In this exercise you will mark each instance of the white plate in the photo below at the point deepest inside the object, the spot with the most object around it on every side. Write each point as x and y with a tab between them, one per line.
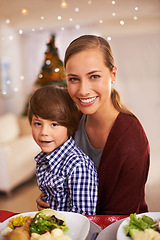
110	232
121	234
78	224
94	229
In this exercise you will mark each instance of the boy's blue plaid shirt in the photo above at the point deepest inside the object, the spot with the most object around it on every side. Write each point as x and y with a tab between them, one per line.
69	179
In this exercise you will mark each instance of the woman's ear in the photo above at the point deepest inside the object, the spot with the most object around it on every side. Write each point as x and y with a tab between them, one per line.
113	74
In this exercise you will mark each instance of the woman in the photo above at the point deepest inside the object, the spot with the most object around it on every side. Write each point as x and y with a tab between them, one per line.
109	133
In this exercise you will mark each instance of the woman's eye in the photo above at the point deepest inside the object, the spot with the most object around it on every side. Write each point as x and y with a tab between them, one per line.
73	79
95	76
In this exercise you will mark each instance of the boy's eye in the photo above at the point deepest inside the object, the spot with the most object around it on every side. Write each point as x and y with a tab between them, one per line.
54	124
37	123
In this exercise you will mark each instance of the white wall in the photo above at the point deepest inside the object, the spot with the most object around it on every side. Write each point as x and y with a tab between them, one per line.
10	49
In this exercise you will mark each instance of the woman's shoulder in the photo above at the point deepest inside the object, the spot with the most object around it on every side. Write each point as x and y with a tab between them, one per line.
130	126
127	121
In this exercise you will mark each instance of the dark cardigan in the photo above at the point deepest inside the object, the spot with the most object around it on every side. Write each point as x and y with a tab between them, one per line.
123	168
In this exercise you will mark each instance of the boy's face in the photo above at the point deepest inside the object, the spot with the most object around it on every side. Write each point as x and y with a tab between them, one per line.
48	134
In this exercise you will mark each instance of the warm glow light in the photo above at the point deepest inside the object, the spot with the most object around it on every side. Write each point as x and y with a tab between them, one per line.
24	11
63	4
7	21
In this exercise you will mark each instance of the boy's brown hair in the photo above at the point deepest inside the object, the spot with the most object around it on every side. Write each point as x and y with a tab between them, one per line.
55	104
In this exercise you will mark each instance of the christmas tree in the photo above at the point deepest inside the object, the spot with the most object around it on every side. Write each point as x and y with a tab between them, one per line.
52	71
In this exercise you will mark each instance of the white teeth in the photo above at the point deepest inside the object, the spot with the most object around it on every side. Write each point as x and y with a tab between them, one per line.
88	100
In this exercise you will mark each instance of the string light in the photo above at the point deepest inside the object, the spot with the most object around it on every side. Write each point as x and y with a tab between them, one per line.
15	89
77	26
20	32
22	78
122	22
7	21
56	69
76	9
10	38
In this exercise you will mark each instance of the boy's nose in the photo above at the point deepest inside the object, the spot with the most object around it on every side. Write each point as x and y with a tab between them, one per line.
44	130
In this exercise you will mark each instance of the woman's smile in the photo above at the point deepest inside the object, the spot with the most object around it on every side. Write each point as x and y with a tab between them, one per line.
87	101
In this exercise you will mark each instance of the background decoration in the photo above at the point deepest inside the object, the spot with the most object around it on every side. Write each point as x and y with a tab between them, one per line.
52	71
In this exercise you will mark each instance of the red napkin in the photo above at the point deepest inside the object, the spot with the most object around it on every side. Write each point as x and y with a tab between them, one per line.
105	220
5	214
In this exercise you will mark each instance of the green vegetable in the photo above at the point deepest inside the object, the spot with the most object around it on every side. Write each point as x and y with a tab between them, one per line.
47	220
138	224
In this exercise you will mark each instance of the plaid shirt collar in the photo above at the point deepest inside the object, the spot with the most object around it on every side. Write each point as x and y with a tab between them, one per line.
57	155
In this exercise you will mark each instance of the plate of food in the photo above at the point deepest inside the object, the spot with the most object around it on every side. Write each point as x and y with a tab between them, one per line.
46	224
140	226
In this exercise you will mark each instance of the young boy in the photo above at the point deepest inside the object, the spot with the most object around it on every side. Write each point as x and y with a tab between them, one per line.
64	173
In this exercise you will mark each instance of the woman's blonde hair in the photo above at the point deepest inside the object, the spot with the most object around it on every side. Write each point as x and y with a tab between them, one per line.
86	42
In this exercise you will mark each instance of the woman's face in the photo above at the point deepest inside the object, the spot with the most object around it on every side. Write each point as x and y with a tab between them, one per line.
89	81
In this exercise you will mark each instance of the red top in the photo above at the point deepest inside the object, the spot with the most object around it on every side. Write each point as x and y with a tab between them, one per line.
123	169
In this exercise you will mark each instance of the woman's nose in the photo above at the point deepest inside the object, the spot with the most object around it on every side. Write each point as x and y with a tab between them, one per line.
84	88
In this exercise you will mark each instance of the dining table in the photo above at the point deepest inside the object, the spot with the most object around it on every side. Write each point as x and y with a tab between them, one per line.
99	222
